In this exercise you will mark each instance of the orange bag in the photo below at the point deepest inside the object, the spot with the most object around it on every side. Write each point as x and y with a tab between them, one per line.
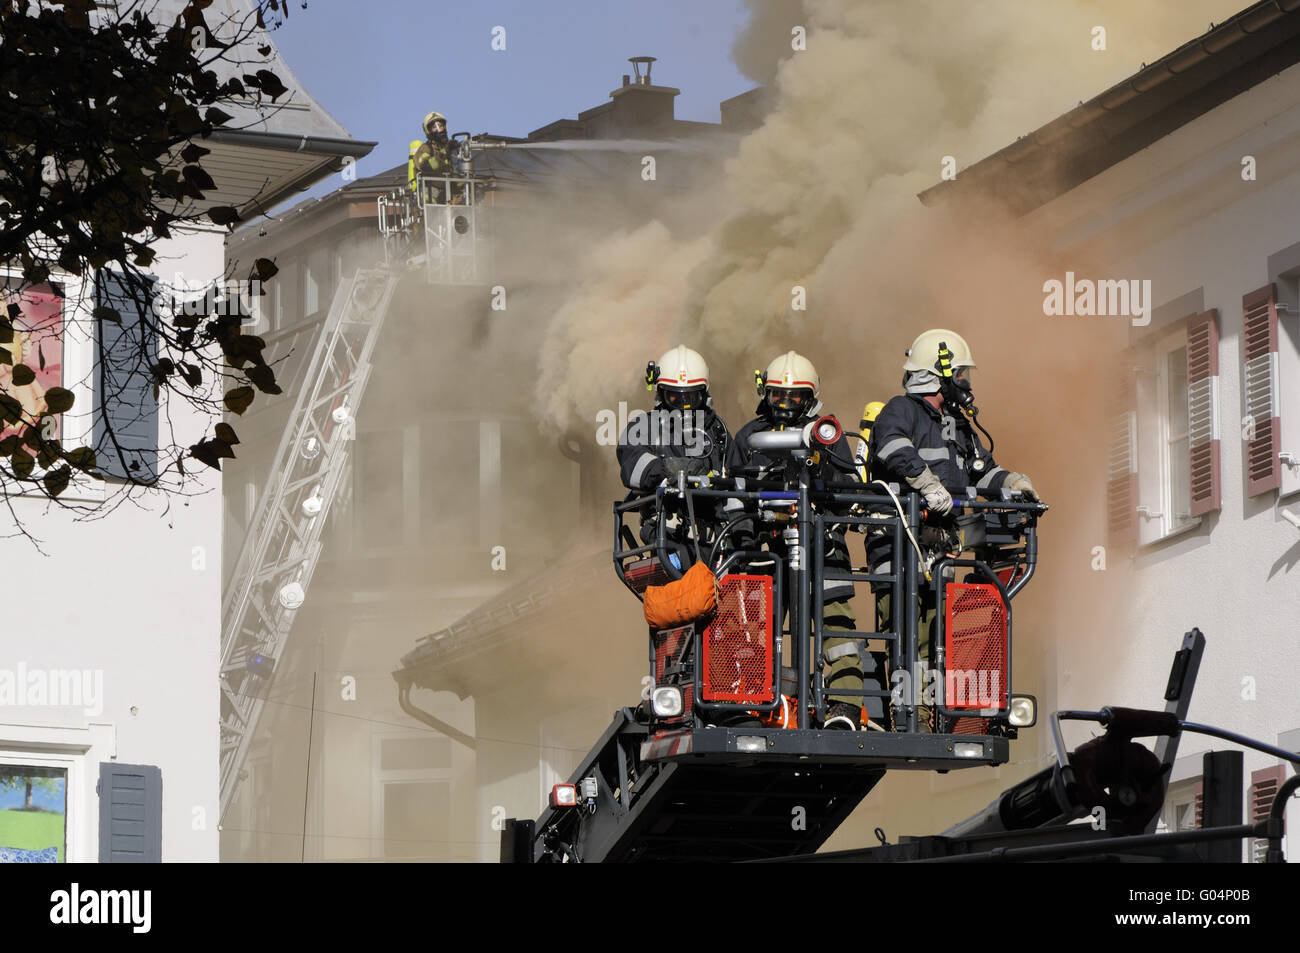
683	600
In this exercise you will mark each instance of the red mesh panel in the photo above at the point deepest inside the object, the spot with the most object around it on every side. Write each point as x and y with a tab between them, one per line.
976	668
737	645
970	726
644	573
670	644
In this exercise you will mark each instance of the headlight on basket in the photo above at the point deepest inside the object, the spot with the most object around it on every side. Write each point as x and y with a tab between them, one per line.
1023	712
666	701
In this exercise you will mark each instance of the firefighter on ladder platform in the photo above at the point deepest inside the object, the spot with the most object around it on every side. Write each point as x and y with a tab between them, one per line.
682	434
789	399
431	157
924	439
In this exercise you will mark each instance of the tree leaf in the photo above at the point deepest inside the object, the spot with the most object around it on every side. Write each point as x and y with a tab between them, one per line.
264	378
56	481
193	152
59	400
103	313
237	400
83	458
197	177
9	444
226	432
205	451
223	215
23	375
11	410
193	376
264	269
270	84
22	463
217	117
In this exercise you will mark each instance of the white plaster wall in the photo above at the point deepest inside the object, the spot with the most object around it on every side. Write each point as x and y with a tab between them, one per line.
136	595
1180	214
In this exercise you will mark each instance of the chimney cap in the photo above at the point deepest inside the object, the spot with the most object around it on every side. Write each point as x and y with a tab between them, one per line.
637	62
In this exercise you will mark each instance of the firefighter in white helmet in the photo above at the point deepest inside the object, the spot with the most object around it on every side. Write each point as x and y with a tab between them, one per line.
681	433
924	439
789	391
433	156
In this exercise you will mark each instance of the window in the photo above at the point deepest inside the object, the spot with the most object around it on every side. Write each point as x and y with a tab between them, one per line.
1163	451
37	315
52	337
413	789
450	491
1182	808
33	812
378	485
1287	319
1164	462
316	282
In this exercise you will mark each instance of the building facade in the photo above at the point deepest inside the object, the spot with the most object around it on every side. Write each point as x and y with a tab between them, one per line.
107	698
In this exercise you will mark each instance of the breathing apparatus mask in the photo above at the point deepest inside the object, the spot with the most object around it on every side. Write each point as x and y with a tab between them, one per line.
955	383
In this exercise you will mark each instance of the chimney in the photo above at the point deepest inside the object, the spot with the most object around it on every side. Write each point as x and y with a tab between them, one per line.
639	107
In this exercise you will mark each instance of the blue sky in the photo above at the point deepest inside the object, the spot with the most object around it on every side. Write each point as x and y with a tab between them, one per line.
380	66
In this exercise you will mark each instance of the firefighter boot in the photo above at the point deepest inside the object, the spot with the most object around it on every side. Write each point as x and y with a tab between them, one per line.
844	667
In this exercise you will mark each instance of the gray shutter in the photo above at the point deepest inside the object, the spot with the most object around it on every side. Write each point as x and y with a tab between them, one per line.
130	813
124	385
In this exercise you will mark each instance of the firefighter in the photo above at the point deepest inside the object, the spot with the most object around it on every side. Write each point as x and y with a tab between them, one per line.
923	439
682	434
789	390
431	157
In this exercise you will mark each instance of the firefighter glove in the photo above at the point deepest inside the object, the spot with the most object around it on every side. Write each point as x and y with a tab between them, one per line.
1018	482
937	499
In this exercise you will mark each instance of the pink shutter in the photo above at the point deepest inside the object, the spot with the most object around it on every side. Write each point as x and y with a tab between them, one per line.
1259	354
1199	800
1121	454
1203	411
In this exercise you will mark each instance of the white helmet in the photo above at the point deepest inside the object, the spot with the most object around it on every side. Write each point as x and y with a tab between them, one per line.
923	355
790	387
430	119
682	377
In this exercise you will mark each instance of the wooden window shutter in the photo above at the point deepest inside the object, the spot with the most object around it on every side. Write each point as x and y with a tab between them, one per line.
1199	801
124	389
1203	411
130	813
1263	788
1121	453
1259	354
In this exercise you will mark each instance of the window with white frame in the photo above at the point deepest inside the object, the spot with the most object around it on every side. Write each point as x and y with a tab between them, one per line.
1181	808
1164	469
412	815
